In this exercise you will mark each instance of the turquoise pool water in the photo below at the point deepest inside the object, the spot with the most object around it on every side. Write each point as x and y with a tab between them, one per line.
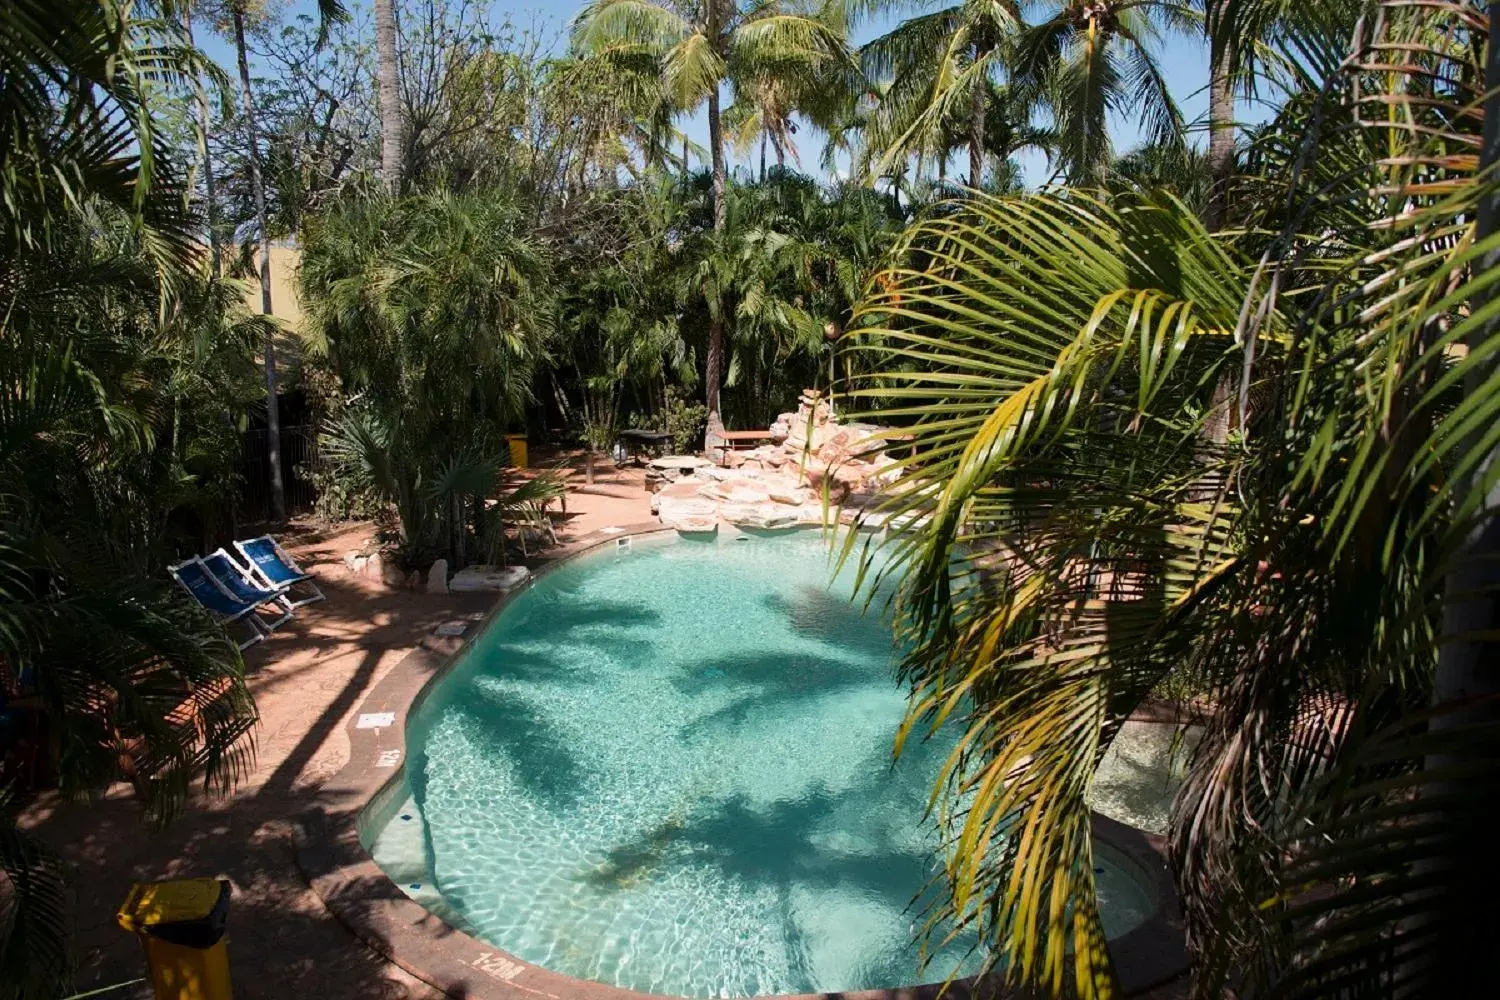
668	768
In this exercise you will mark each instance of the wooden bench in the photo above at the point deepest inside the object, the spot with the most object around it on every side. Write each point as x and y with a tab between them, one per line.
732	439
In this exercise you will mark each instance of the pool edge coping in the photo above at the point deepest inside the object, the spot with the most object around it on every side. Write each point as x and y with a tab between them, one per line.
359	894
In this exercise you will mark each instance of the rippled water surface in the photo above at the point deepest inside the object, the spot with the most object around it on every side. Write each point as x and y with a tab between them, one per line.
669	769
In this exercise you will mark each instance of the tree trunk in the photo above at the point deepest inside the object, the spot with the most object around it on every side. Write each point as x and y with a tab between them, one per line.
1220	131
1220	165
460	553
215	256
976	130
714	363
763	156
258	188
716	150
391	124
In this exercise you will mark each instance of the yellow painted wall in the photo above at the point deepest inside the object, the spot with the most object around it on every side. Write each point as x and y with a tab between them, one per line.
284	301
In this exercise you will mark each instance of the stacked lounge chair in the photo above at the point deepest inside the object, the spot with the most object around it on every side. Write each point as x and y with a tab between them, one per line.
275	568
236	593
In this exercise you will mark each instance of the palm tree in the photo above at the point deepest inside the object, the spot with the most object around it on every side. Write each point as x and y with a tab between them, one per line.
1238	31
75	122
118	359
210	190
391	112
263	237
1176	167
1089	59
940	68
433	310
1079	546
764	113
1222	60
329	13
699	47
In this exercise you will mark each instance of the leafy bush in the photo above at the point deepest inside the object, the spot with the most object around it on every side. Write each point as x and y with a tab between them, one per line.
340	497
342	494
679	418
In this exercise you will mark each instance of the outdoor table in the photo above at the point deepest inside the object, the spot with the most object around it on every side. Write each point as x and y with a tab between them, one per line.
654	442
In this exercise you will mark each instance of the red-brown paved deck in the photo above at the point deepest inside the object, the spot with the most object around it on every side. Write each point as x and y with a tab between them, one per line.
308	679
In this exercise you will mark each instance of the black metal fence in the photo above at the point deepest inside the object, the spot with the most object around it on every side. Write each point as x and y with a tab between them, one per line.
298	449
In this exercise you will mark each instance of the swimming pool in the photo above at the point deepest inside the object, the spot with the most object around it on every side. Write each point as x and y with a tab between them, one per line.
667	767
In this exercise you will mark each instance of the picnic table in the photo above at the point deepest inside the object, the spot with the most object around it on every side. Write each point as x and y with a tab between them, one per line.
652	442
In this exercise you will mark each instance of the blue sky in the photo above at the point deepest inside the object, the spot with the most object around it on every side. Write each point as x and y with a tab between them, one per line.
1184	63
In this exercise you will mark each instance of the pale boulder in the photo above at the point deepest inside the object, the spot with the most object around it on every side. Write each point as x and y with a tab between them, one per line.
494	578
698	526
437	577
743	491
787	492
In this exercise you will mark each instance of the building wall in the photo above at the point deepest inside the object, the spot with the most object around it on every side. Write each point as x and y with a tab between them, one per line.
284	302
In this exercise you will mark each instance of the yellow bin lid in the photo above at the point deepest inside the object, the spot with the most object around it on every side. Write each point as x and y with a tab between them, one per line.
151	904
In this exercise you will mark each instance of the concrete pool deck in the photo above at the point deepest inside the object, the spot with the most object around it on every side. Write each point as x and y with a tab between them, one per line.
309	680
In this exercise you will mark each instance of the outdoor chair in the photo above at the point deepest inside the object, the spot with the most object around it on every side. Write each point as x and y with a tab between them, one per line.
237	580
271	565
220	602
532	518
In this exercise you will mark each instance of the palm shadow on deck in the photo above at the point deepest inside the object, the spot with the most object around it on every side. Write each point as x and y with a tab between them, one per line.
308	677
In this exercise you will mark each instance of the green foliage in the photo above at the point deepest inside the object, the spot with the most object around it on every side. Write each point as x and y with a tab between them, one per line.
119	436
1154	459
432	311
786	270
678	417
1086	60
1257	465
126	373
78	120
343	493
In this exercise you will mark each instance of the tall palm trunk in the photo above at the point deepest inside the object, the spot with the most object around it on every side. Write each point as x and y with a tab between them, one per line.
391	123
1220	166
258	188
214	255
976	129
1220	130
714	363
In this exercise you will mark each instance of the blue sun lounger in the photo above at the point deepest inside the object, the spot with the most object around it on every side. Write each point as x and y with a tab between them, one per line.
221	603
271	565
237	580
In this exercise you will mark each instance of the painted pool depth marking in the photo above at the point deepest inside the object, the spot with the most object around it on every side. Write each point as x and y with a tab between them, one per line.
669	769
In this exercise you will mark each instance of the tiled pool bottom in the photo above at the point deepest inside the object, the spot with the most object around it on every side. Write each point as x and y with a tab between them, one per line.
669	771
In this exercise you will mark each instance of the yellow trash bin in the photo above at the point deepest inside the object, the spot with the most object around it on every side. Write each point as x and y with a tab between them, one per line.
181	926
517	444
